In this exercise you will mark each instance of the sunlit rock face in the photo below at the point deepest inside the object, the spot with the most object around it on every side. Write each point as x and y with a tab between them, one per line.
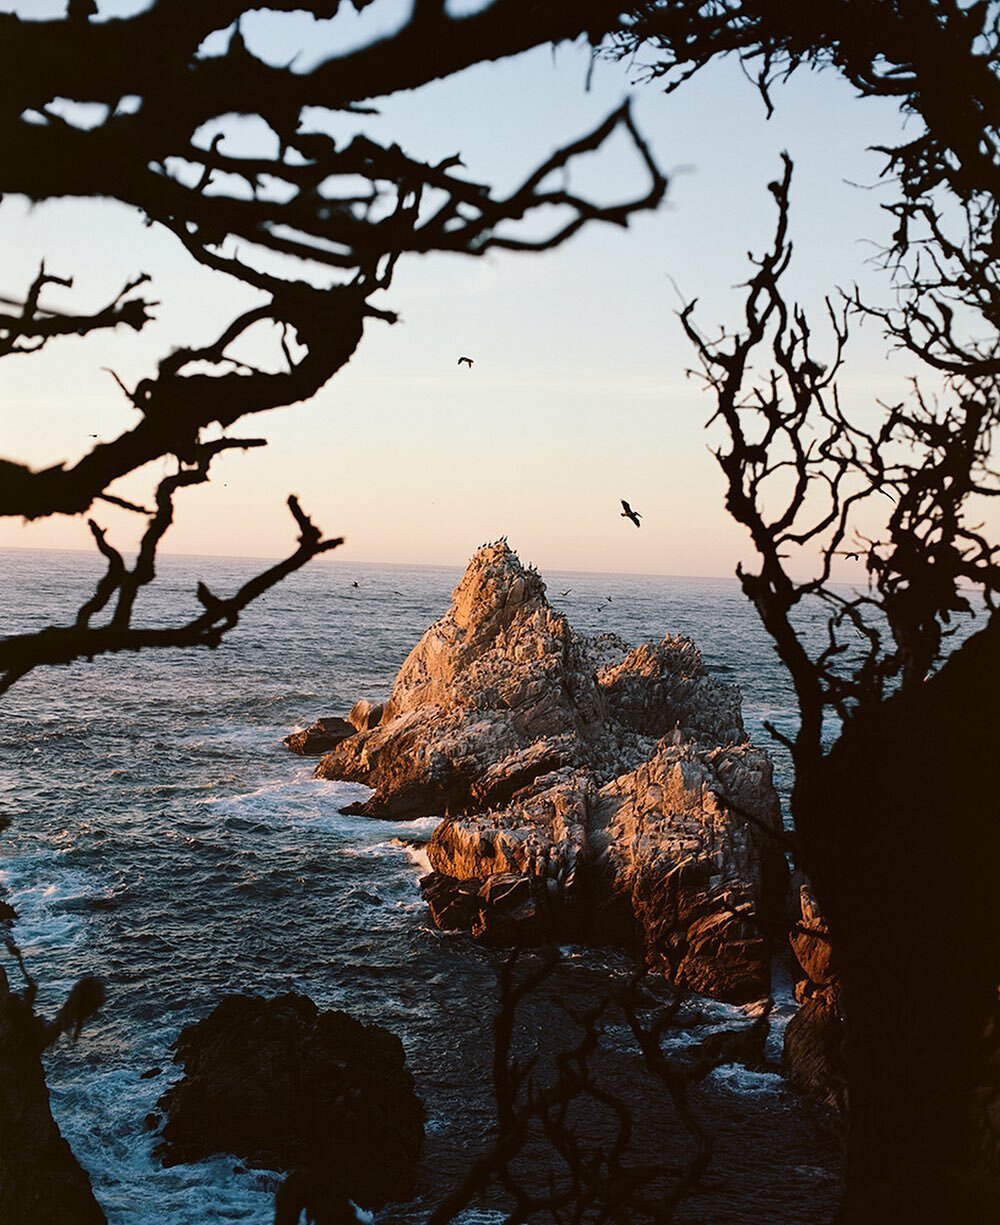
812	1053
496	693
662	688
682	859
590	791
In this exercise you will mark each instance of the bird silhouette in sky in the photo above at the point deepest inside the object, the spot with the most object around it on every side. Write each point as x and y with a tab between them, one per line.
467	360
629	513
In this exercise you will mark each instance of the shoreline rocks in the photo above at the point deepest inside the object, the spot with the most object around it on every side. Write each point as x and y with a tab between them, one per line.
589	791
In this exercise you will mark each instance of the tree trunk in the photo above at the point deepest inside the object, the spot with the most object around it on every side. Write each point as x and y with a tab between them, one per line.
901	835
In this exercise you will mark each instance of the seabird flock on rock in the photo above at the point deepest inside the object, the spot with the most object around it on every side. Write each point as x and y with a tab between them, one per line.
629	513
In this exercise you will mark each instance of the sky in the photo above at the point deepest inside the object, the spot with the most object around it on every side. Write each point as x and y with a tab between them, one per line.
579	394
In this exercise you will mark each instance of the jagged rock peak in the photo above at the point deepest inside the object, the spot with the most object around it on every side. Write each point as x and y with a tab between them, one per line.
495	586
494	644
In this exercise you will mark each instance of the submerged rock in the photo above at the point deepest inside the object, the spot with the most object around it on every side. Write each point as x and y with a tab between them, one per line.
324	735
590	791
287	1087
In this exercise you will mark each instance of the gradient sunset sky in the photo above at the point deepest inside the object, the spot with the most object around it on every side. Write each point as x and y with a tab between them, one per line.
578	396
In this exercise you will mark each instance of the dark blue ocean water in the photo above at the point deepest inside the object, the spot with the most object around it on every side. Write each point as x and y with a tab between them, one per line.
166	841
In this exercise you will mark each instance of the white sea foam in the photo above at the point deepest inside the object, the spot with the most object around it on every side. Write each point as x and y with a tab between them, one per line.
418	856
301	804
783	1009
48	899
101	1113
744	1080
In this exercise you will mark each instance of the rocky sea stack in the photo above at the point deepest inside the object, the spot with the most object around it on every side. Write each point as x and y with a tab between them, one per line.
590	792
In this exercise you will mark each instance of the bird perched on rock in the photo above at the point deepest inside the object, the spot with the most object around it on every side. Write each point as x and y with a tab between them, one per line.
467	360
629	513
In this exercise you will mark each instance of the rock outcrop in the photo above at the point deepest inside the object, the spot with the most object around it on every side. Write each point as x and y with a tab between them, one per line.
321	737
497	693
287	1087
589	791
810	941
662	689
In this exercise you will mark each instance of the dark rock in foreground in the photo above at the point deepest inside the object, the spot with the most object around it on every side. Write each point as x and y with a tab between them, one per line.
590	791
41	1182
287	1087
812	1054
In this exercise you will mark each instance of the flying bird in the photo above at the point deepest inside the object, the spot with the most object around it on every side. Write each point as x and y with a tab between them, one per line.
467	360
629	513
566	592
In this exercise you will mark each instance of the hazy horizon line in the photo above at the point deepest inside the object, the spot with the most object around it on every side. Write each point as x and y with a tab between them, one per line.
331	558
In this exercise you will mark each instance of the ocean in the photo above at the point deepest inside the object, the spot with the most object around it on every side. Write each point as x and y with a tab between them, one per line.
165	840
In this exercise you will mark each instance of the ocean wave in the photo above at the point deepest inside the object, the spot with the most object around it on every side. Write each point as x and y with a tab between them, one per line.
50	903
736	1077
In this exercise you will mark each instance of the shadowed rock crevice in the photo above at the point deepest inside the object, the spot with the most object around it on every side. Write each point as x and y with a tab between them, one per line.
590	791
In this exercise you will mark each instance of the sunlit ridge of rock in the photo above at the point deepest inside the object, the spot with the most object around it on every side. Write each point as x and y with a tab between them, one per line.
590	791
